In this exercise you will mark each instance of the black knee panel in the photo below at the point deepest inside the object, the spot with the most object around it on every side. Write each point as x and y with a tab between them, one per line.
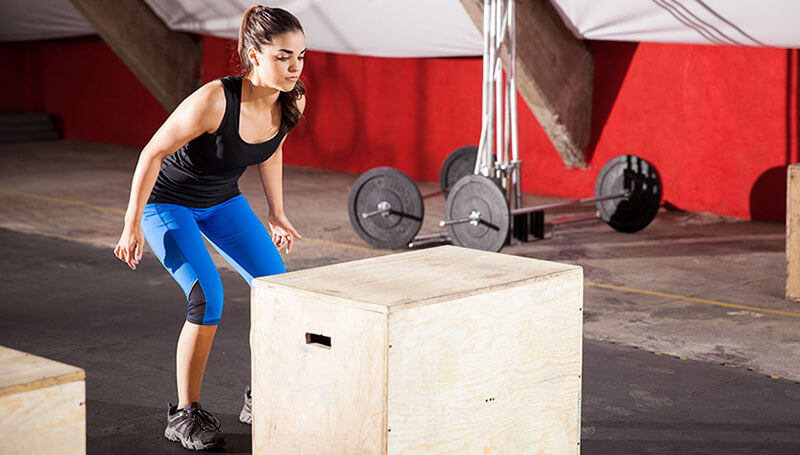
197	304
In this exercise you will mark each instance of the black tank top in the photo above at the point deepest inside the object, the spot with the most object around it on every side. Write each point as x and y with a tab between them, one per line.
205	172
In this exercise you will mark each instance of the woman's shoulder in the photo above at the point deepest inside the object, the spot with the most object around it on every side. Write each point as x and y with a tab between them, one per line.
212	94
210	91
218	87
207	105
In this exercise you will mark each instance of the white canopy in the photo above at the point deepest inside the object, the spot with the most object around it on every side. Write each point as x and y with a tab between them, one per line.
21	21
386	28
426	28
768	23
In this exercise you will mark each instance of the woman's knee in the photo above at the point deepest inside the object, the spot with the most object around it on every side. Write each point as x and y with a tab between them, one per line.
205	303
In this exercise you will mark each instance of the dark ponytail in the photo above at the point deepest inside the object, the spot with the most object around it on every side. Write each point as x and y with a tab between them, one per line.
259	25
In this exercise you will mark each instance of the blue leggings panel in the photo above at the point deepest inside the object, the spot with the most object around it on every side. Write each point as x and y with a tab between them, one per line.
175	234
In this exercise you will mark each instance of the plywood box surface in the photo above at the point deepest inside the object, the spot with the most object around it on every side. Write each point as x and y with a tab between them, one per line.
442	350
793	232
42	405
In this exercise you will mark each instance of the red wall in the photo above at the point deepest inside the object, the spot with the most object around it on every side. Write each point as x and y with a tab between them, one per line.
84	84
719	123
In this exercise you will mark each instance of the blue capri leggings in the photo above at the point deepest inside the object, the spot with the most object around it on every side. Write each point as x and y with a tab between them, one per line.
175	234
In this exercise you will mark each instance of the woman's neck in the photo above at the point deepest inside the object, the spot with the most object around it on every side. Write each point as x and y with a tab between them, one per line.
259	95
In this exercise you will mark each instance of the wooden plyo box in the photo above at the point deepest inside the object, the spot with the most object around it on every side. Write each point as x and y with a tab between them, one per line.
442	350
42	405
793	232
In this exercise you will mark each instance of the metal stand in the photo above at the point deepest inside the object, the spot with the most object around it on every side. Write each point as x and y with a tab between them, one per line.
499	104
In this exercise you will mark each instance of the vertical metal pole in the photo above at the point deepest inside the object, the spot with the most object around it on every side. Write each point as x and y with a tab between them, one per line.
490	104
498	79
506	96
512	73
508	171
507	93
507	119
483	143
485	93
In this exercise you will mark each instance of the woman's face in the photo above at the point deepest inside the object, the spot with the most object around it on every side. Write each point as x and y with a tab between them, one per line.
279	65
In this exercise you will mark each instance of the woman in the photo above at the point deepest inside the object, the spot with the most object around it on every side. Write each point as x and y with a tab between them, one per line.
185	187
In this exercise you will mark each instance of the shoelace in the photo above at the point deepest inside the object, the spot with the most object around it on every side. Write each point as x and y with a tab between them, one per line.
205	419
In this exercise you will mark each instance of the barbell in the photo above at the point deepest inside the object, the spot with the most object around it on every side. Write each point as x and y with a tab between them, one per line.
386	207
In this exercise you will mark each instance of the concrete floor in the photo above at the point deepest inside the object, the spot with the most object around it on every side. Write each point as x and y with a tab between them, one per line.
690	346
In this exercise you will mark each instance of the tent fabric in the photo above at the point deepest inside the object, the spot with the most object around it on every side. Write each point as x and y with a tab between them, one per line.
765	23
428	28
383	28
20	20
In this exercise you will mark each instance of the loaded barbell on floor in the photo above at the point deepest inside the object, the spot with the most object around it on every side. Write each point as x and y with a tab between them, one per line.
386	208
390	194
627	196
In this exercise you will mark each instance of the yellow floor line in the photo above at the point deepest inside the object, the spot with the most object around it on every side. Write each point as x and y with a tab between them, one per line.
344	245
693	299
63	201
379	252
122	212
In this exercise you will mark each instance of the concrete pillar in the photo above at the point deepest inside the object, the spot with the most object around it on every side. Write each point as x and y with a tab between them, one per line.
167	62
554	75
793	232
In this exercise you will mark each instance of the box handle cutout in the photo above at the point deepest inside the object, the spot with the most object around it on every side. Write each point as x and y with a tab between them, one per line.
318	340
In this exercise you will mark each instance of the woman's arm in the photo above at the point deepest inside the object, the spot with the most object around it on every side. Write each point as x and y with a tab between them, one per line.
271	173
200	112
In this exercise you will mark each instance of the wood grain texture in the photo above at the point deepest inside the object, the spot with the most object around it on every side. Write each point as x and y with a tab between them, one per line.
474	352
428	275
20	371
793	232
490	373
309	399
42	406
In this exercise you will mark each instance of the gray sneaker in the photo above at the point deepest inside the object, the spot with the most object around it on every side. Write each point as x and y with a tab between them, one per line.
193	427
246	416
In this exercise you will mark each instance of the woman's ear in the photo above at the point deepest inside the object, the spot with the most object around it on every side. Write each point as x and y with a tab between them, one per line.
253	56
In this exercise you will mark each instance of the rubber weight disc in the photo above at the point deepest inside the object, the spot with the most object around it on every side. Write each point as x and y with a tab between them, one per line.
459	163
483	196
628	172
395	194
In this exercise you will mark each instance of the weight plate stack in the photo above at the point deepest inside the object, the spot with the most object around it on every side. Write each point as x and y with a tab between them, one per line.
480	200
385	208
640	178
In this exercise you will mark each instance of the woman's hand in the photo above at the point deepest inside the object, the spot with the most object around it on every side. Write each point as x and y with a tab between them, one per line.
283	233
130	245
